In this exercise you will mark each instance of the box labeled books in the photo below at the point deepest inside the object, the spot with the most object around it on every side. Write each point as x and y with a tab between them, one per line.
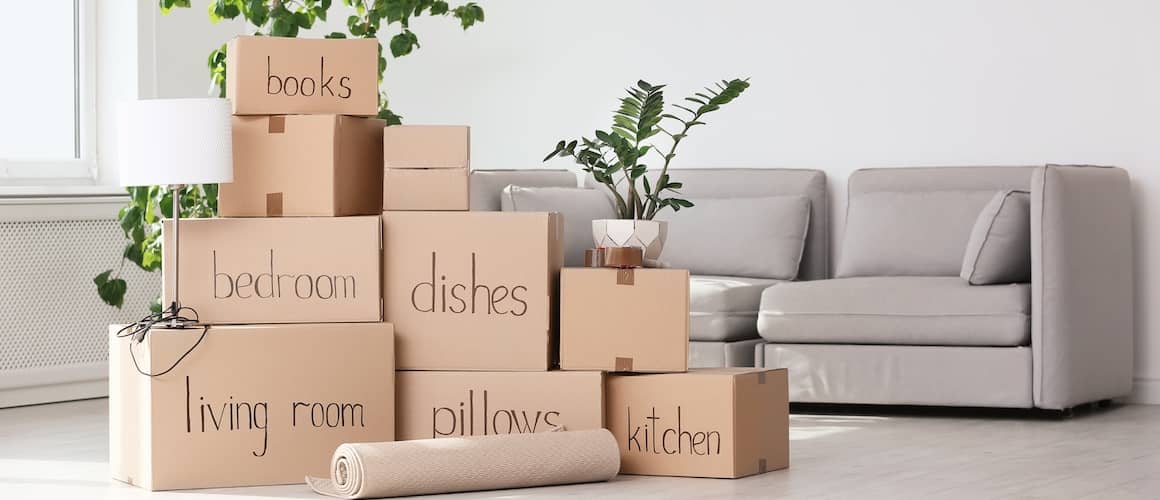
267	75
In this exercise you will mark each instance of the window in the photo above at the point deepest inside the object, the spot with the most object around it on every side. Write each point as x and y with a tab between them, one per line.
47	106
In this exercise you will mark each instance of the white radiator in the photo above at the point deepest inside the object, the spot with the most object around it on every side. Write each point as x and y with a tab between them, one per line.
53	327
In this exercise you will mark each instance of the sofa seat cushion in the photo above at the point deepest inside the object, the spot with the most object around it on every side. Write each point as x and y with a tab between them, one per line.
724	308
942	311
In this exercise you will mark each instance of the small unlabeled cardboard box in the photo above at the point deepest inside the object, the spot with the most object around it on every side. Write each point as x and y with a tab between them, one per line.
625	320
426	167
452	404
472	290
249	405
715	422
277	270
268	75
304	165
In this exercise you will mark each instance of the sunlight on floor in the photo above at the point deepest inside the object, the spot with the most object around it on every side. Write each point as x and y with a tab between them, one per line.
802	427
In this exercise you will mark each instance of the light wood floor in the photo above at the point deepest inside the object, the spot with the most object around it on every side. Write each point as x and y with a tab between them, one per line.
61	450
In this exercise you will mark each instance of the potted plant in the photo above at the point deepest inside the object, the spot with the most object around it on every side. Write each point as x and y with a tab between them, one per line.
616	158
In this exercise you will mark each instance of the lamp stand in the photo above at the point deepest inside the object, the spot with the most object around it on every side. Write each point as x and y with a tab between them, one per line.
175	306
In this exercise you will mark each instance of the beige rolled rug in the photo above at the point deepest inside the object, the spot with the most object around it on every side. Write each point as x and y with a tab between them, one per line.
447	465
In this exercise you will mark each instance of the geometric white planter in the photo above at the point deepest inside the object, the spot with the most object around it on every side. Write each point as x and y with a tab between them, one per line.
647	235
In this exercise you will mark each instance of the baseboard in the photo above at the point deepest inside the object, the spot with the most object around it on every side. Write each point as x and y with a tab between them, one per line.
1145	391
23	396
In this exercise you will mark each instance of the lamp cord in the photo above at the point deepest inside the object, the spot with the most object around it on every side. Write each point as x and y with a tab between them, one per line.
137	332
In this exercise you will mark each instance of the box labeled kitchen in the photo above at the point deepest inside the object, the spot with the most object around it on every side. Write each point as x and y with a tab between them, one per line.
433	404
715	422
304	165
631	320
426	167
472	290
276	270
279	76
249	405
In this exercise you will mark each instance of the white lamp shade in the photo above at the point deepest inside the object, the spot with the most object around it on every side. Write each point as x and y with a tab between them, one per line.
175	141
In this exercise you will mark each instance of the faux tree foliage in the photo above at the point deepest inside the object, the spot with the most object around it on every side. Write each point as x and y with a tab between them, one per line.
141	218
617	155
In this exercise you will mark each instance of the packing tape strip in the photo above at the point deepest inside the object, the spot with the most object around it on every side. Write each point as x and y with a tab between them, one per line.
623	257
622	364
276	125
594	257
274	204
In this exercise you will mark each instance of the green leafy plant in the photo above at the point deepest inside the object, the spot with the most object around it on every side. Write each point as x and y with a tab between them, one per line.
622	149
141	218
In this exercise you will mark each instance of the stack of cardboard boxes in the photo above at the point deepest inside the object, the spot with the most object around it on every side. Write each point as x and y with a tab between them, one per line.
488	334
297	359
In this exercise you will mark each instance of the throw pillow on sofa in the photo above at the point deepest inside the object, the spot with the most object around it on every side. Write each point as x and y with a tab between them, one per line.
999	250
761	237
579	207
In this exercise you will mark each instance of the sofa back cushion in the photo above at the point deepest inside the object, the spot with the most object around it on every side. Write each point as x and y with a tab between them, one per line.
703	183
578	206
486	186
916	221
746	237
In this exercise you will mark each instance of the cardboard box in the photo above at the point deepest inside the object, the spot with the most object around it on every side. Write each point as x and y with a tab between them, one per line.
426	167
276	75
277	270
716	422
472	290
442	404
250	405
304	165
631	320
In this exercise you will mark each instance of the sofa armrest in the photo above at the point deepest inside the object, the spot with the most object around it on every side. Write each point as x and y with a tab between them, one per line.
1082	291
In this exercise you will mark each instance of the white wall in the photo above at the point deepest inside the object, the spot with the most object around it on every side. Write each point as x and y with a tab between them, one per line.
837	85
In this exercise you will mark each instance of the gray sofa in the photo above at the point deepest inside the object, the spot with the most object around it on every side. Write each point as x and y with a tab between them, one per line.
924	336
896	324
723	309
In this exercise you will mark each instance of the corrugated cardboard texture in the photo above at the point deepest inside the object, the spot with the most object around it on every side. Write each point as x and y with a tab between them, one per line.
472	290
277	270
425	189
638	315
718	422
251	405
443	404
320	165
275	76
426	167
427	146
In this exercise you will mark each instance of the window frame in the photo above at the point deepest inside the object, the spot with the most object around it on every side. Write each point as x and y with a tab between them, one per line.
82	169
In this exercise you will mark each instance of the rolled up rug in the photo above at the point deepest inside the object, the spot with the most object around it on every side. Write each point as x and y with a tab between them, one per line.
448	465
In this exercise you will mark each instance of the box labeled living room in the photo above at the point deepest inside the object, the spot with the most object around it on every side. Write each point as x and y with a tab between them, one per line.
245	405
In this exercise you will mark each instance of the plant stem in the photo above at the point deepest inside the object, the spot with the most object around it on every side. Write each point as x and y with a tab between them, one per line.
652	205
